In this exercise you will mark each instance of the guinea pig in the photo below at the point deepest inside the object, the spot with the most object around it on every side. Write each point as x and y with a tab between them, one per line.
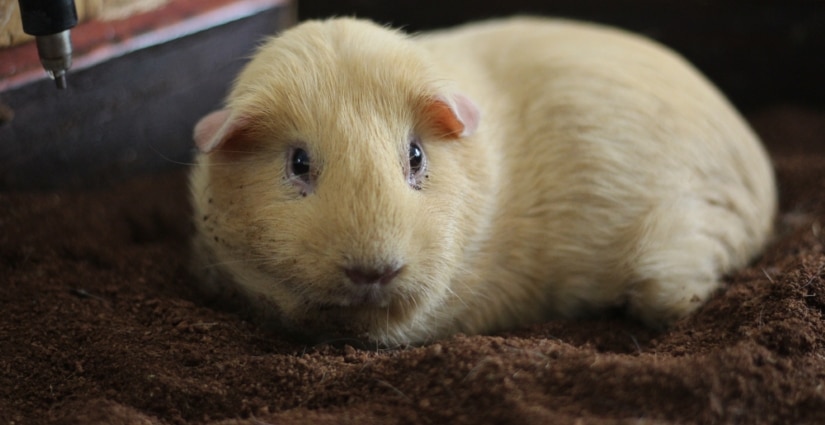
362	182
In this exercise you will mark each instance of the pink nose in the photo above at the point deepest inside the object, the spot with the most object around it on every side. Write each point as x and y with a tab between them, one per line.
369	276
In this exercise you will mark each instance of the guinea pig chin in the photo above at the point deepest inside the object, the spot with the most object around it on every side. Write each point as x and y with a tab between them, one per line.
359	312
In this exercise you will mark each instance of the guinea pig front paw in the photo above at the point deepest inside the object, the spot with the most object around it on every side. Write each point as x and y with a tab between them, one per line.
660	303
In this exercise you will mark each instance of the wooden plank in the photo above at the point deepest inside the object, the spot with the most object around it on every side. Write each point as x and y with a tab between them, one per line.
129	109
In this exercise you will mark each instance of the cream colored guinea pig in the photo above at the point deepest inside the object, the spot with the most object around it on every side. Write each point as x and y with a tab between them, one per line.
363	182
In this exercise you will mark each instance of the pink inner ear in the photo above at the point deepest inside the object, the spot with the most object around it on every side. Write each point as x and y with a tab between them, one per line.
444	120
213	130
453	118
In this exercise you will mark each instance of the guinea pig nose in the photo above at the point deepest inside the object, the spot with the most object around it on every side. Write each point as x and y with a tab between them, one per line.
368	275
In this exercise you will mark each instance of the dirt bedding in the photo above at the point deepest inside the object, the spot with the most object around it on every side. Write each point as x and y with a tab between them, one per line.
99	324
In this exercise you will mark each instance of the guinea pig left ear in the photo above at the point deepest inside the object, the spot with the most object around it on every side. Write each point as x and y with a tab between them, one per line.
453	116
215	129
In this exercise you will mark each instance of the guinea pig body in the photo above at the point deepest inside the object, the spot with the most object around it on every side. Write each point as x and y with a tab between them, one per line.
368	183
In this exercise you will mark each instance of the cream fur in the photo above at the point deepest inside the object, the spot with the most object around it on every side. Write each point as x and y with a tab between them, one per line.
604	171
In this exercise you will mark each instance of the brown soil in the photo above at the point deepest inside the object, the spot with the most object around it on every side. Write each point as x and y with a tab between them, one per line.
99	324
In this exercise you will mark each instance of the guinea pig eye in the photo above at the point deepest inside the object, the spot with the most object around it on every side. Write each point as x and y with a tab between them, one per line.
299	163
417	164
416	158
299	170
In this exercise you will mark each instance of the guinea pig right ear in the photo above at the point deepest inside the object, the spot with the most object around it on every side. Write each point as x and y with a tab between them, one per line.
213	130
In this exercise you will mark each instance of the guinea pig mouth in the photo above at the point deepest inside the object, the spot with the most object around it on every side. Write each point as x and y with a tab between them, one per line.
359	307
357	297
348	310
359	300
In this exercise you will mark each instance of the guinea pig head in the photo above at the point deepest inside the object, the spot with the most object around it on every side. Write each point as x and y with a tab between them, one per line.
329	186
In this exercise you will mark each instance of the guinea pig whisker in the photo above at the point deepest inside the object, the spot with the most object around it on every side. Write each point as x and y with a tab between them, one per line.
233	163
241	261
387	324
167	158
457	297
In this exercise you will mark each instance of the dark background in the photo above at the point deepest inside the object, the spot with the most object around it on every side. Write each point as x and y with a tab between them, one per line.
758	52
134	114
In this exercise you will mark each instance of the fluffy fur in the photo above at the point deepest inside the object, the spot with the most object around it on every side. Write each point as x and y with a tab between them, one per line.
596	169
